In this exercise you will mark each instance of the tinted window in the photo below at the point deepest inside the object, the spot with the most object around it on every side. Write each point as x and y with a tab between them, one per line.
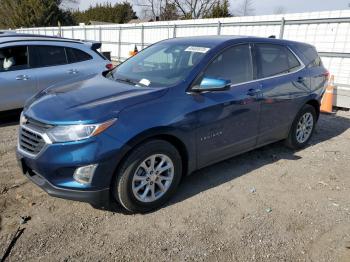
275	60
101	55
311	55
234	64
76	55
13	58
50	56
316	62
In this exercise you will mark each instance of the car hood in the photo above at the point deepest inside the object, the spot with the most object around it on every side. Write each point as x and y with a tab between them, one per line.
91	99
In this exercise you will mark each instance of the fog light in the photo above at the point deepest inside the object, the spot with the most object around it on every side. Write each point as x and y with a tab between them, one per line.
84	174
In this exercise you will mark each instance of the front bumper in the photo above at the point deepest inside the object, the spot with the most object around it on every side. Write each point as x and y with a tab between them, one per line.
94	197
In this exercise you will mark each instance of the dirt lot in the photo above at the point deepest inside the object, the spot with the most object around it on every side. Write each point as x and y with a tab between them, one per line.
300	210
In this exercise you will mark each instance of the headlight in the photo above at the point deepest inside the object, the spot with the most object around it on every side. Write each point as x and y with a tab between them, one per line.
22	120
77	132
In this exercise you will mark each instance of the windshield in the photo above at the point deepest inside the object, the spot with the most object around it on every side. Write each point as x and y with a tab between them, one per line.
160	65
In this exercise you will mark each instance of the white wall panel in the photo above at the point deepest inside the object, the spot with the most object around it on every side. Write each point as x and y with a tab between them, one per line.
327	37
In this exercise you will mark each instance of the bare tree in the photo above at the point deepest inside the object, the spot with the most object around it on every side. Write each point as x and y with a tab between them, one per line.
188	9
279	10
195	8
246	8
151	8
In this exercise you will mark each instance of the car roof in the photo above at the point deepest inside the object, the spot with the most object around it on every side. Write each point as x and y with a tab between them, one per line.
215	40
6	37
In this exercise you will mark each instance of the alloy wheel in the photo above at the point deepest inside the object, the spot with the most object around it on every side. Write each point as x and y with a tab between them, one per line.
153	178
304	128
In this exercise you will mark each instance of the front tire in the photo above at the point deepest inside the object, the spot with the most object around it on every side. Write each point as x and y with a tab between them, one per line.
302	128
148	176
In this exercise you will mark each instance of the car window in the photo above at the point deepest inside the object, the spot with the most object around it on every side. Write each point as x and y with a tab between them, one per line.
50	56
13	58
75	55
316	62
159	60
160	65
234	64
274	60
311	55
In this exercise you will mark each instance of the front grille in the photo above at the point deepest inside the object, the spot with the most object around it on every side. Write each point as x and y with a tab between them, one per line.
30	136
30	142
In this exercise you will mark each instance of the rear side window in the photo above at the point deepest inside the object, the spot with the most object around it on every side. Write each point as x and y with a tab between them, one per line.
311	55
274	60
99	54
50	56
316	62
76	55
234	64
14	58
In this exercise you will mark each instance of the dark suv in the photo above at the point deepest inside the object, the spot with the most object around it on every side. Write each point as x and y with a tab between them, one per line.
128	135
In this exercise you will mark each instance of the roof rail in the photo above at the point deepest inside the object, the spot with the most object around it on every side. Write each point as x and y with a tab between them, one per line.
12	34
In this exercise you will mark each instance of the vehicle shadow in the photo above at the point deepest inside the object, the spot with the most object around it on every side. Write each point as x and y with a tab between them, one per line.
10	118
329	126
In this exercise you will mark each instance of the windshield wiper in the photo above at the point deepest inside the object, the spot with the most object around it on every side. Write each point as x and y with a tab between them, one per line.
129	81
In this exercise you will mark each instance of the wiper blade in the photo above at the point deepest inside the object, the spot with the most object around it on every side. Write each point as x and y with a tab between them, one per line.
129	81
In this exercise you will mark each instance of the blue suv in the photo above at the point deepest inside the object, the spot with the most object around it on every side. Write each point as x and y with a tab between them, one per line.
130	134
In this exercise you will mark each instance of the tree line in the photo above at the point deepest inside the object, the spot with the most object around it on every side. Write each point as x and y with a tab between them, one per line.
37	13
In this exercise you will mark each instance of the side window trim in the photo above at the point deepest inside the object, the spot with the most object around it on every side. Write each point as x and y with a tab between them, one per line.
200	74
301	66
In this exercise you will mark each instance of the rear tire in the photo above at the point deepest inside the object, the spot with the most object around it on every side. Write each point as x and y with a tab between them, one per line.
148	176
302	128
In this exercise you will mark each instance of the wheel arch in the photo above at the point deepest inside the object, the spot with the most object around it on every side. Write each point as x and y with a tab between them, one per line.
188	164
316	105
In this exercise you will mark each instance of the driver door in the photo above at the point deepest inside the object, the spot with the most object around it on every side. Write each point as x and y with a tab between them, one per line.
228	120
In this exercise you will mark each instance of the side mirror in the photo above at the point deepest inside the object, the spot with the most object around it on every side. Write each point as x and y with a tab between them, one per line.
212	84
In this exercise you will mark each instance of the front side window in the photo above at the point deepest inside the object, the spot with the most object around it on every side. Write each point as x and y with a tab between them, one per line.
234	64
14	58
275	60
50	56
160	65
75	55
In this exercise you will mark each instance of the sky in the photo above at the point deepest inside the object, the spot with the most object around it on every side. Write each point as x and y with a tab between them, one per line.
263	7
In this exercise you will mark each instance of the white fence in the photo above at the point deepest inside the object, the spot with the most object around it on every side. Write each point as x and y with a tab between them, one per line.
328	31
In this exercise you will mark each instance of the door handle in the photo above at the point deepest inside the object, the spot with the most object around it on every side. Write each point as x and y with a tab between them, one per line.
73	71
22	77
253	91
301	80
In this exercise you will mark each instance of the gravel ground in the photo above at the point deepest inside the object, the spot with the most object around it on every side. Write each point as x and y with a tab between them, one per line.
271	204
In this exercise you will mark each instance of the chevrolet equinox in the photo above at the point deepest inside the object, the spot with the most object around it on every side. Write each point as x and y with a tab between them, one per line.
129	135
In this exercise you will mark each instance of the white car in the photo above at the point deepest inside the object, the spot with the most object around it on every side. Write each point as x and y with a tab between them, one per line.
31	63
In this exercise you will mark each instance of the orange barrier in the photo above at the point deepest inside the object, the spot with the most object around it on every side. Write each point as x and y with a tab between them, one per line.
132	53
327	99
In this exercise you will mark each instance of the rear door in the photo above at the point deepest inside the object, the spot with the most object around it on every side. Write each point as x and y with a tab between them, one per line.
17	79
284	87
51	65
318	74
80	62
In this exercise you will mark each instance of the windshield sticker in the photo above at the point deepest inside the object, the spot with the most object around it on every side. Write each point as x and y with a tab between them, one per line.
145	82
197	49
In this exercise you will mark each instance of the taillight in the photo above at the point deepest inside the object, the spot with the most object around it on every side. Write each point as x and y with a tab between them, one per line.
109	66
326	75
